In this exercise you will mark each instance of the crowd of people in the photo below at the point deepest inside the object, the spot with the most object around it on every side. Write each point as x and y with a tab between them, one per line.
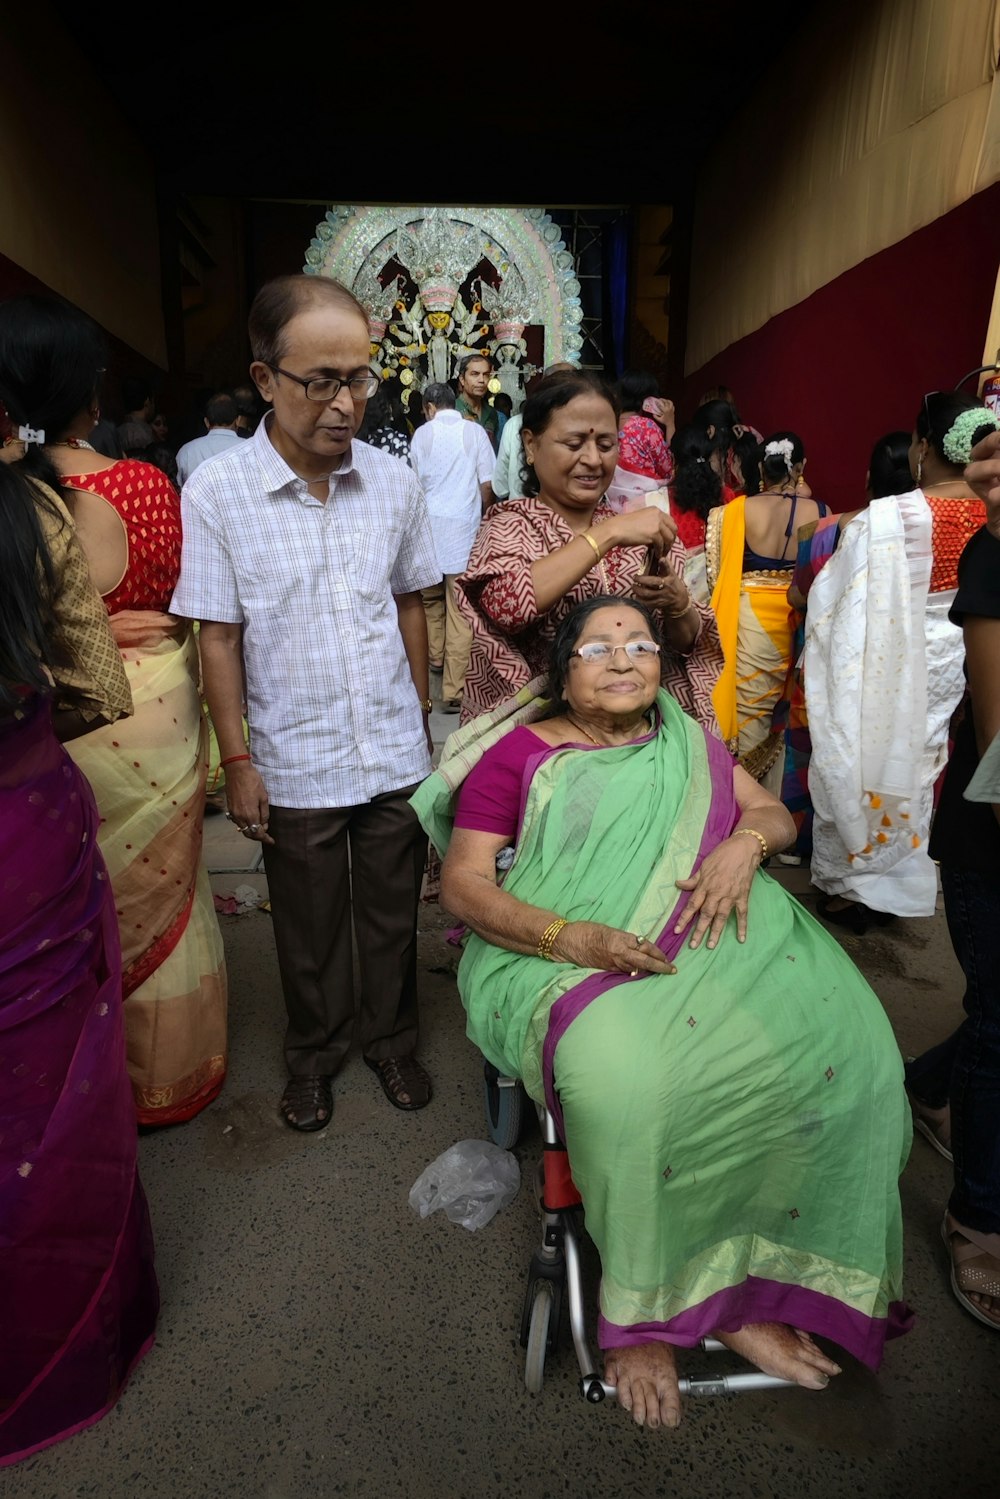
672	664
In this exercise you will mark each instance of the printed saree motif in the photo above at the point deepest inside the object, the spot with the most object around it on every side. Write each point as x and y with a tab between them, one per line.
736	1129
148	774
78	1295
756	633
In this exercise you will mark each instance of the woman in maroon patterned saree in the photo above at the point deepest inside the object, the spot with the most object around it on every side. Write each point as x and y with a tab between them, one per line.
535	558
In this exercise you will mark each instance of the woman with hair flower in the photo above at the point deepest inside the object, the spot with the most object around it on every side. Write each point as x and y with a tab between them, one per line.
750	557
883	670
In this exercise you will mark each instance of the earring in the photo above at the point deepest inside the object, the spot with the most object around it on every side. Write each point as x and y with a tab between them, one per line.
920	469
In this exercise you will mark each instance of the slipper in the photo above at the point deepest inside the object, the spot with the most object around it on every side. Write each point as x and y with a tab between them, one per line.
305	1097
404	1082
933	1124
854	916
974	1267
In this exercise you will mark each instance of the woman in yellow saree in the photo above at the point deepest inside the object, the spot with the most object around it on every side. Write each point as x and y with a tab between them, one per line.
750	556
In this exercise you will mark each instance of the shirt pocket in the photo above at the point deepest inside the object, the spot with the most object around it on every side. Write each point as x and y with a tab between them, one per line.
369	565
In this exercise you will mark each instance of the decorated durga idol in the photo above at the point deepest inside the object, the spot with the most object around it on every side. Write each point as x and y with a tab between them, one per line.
422	325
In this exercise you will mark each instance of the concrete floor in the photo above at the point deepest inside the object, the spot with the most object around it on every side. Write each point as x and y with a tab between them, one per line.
318	1339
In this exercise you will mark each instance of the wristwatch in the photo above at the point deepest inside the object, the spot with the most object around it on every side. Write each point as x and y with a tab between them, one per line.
427	703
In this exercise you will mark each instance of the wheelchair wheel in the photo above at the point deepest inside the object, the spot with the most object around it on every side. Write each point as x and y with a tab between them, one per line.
505	1109
538	1337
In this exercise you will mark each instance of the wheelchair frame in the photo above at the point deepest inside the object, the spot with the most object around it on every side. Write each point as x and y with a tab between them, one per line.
554	1271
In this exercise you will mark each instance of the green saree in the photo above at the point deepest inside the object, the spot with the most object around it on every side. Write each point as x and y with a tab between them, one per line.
736	1130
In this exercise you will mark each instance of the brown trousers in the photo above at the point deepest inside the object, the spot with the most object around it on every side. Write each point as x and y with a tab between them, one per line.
324	864
449	639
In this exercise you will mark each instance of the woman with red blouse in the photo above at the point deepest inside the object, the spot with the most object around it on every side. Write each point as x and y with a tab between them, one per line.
148	772
534	558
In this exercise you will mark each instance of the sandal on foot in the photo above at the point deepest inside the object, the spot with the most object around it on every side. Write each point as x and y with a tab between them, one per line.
404	1082
975	1267
853	916
307	1102
933	1124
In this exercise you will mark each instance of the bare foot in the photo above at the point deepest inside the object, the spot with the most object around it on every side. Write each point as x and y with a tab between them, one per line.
782	1351
646	1376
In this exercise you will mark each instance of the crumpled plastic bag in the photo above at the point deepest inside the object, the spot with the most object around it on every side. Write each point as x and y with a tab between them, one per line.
471	1181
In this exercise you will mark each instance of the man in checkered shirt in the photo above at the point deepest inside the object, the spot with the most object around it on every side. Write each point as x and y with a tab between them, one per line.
304	555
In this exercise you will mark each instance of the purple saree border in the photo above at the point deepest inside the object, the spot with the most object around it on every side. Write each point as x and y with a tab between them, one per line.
759	1300
718	825
8	1460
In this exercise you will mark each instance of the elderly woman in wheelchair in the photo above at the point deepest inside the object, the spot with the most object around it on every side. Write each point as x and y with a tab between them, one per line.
726	1083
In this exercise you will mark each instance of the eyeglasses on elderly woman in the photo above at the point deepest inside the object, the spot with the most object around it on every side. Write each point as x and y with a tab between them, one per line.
599	651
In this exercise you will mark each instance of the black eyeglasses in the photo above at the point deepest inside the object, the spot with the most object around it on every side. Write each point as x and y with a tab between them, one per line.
326	387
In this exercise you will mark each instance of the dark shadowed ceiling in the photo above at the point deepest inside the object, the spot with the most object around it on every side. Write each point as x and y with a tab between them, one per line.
562	103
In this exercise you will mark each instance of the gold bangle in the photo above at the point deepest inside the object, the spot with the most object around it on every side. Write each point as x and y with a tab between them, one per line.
547	938
427	704
752	833
591	542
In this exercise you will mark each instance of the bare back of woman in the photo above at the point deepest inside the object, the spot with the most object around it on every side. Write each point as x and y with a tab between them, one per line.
773	520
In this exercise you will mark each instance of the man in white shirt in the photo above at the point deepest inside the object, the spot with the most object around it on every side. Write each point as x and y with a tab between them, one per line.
221	417
304	555
453	459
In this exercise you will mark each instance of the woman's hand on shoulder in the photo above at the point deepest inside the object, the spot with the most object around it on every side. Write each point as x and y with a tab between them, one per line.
648	527
589	944
720	886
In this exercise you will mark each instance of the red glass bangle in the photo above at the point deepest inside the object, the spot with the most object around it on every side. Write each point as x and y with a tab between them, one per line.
231	760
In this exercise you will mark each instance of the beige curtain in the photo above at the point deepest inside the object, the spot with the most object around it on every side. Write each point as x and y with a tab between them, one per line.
880	118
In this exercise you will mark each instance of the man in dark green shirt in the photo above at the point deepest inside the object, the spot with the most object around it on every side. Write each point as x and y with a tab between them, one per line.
474	373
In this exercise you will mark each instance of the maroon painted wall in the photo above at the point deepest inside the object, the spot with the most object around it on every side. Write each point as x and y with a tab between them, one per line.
854	360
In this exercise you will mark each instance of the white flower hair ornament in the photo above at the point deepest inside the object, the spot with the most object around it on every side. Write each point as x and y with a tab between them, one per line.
782	447
959	440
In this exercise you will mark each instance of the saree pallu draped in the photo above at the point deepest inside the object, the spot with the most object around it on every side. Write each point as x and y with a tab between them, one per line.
736	1129
148	775
883	675
755	629
78	1296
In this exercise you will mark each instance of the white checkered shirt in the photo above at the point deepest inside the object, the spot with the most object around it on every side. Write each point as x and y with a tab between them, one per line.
334	717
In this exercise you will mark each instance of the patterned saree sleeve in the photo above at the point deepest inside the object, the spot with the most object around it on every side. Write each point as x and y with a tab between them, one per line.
498	580
90	678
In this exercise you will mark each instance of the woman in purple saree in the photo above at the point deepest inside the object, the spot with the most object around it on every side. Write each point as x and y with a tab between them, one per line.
78	1294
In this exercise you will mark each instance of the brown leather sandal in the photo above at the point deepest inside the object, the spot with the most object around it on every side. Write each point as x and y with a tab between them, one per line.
304	1099
404	1082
